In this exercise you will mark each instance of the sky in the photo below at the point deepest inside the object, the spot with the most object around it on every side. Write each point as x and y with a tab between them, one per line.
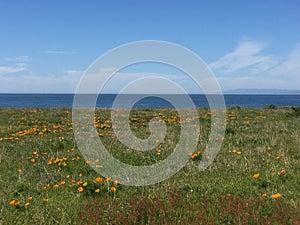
45	46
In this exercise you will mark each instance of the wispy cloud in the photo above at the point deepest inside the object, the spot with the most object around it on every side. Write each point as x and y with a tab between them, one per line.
74	72
290	67
59	52
10	69
68	82
14	64
246	55
260	82
252	69
38	84
18	59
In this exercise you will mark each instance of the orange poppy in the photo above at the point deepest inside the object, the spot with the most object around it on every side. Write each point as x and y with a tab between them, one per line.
275	196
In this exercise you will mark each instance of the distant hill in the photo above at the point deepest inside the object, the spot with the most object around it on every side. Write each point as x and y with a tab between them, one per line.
263	92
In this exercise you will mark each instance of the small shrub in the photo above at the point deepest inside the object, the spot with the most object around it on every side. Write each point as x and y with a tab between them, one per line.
296	111
271	107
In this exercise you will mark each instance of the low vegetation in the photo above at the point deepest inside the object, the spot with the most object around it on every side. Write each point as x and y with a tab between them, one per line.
254	179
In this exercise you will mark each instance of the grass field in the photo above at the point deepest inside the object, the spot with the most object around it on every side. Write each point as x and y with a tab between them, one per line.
255	178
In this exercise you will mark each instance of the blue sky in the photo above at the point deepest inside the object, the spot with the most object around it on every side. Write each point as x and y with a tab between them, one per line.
46	45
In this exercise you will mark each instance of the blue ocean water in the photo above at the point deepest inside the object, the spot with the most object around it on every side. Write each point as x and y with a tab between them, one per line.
106	101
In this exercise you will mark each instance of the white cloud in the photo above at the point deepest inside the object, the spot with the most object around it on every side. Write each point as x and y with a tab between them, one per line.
121	80
250	82
38	84
18	59
246	55
59	52
10	69
74	72
290	67
14	65
68	83
246	67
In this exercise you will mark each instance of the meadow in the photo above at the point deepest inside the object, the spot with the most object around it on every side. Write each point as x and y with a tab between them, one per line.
255	178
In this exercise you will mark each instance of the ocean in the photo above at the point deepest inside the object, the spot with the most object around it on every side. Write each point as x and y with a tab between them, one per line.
106	101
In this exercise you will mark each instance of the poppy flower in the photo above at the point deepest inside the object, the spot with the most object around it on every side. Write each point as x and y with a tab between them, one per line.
275	196
98	179
12	202
113	189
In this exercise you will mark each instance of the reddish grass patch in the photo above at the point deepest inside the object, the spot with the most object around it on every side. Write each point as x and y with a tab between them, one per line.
176	208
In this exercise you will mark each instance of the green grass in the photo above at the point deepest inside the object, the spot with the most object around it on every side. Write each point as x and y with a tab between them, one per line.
41	143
